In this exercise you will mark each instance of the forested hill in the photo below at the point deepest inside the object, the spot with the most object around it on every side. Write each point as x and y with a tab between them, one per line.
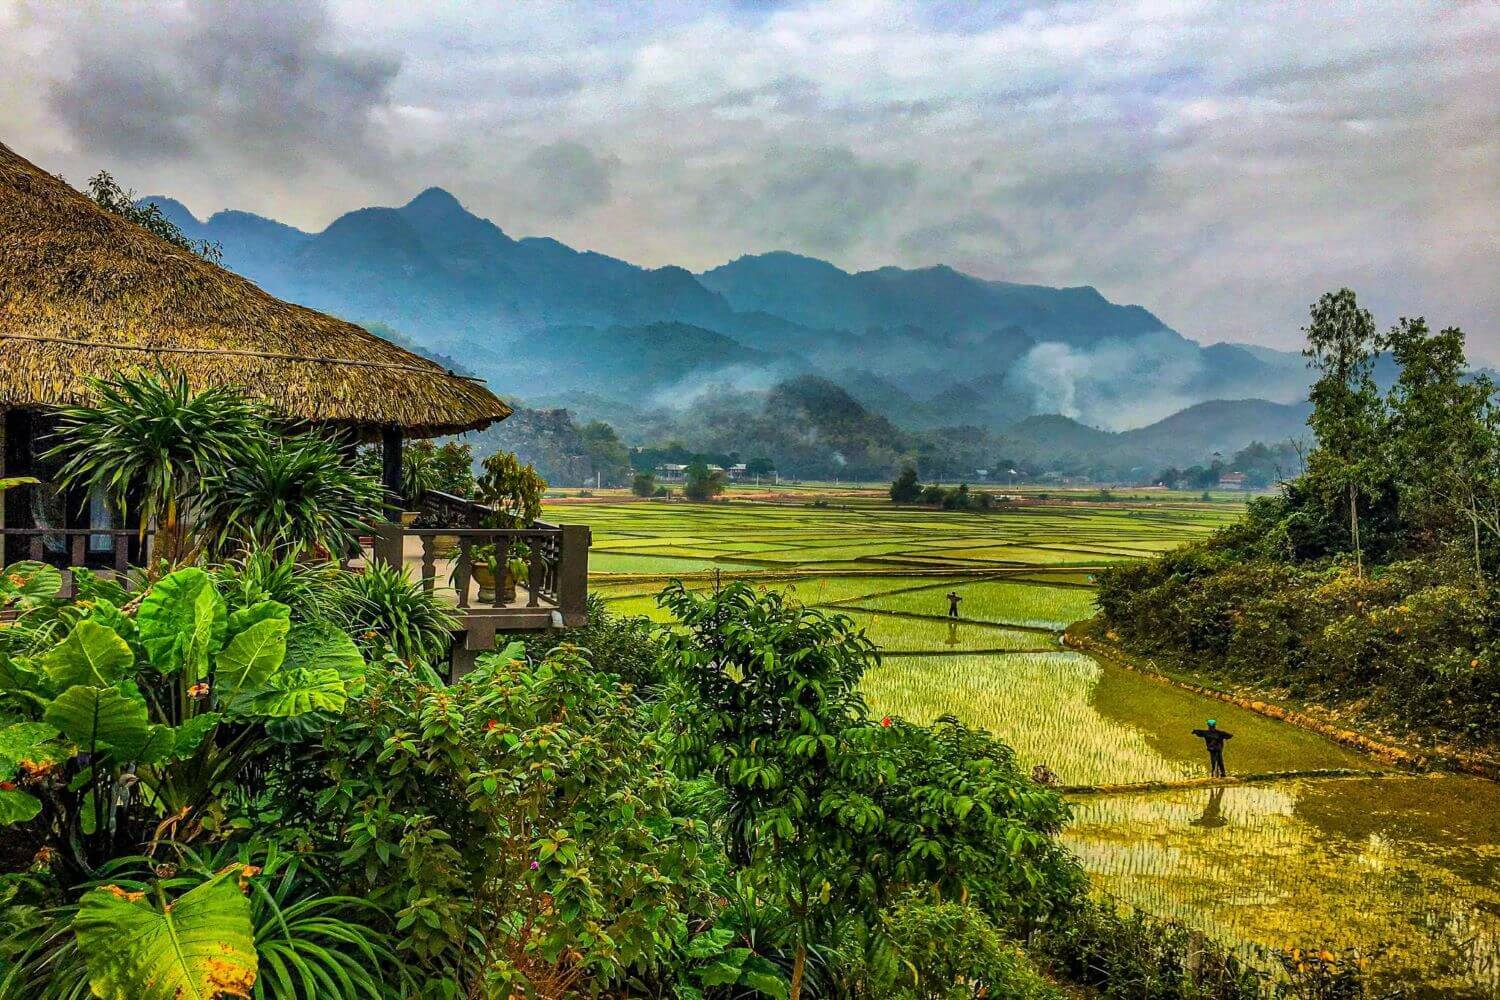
929	347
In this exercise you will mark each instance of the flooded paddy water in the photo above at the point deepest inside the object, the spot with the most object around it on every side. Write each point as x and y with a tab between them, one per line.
1405	868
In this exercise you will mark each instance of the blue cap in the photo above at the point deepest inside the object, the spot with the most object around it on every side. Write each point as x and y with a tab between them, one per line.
1213	722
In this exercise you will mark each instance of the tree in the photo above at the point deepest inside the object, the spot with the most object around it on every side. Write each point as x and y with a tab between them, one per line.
1442	439
1347	417
905	488
760	466
453	464
701	483
514	490
110	196
643	485
607	455
770	694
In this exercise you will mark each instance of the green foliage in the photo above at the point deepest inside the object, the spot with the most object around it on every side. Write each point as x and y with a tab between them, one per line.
287	494
643	484
383	608
110	196
148	440
834	812
952	951
165	700
518	821
198	947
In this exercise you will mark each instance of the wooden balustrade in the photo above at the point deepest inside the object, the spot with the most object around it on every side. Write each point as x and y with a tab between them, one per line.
556	561
68	548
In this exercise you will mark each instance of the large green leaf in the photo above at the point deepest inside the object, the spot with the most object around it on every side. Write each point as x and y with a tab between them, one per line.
30	579
112	718
191	733
182	622
321	645
17	807
92	654
32	741
245	617
201	947
250	658
295	691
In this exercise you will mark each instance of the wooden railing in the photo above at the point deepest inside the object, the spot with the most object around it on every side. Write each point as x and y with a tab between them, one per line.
70	548
555	557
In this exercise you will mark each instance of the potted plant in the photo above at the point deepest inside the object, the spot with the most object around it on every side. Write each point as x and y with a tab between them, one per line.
513	492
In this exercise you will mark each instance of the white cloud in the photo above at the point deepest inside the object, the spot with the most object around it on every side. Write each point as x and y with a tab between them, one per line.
1221	163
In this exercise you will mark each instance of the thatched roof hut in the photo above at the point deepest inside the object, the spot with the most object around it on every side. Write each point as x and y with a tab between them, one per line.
84	292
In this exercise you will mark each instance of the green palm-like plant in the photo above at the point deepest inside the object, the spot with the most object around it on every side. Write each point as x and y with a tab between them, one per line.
287	495
149	438
383	608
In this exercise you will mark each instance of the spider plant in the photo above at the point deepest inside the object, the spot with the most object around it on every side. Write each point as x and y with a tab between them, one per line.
287	494
148	438
382	607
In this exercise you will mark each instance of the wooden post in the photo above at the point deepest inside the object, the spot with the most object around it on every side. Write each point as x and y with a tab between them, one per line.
390	471
16	461
573	575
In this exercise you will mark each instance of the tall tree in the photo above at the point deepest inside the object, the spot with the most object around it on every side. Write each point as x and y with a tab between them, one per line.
1442	438
1348	413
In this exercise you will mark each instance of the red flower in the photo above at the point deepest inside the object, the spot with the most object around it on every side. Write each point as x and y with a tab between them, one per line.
7	786
886	722
488	726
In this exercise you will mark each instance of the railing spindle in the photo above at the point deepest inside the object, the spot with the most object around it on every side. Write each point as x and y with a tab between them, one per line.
429	563
535	574
461	572
502	566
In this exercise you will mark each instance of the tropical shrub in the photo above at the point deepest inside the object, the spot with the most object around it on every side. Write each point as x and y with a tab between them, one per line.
130	718
834	814
518	822
286	494
384	609
952	951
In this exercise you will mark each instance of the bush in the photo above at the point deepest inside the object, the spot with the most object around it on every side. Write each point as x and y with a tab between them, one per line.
952	951
387	611
643	485
905	488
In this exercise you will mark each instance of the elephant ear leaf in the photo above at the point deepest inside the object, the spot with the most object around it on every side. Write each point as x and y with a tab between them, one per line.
33	741
320	645
92	654
17	807
245	617
182	622
33	580
295	691
251	657
189	736
112	718
200	947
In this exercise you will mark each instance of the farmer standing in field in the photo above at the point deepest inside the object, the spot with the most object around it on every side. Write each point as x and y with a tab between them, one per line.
1214	737
953	600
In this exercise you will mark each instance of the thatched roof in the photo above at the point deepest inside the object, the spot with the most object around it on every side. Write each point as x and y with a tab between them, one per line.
84	292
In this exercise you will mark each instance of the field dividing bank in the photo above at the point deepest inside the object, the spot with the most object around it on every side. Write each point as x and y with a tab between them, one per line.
1310	843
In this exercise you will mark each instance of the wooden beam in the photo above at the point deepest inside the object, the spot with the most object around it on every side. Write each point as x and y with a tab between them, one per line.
390	471
573	575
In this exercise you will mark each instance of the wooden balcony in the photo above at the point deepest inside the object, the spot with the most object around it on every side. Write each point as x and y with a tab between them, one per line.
439	550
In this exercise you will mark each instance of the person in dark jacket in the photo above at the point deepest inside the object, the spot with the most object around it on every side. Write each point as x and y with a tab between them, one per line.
1214	738
953	600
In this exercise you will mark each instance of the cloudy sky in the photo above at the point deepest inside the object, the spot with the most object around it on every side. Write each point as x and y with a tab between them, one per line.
1219	163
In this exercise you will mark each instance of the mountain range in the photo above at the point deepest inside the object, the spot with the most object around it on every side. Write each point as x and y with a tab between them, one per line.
925	348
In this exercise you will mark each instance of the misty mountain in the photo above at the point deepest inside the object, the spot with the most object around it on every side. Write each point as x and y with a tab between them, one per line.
1188	437
924	348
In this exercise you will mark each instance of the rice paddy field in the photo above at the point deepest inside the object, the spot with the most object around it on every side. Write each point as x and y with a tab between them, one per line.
1404	868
